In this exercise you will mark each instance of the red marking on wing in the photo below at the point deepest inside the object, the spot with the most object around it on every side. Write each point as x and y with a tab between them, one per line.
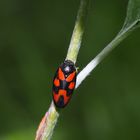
56	82
70	77
63	93
72	85
61	74
55	96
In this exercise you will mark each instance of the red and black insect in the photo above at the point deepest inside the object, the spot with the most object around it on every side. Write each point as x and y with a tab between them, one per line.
64	83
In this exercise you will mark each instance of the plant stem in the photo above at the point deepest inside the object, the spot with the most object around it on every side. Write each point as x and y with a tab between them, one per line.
46	127
76	39
112	45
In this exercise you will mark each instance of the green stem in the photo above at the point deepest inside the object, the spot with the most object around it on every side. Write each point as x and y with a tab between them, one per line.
121	36
76	39
106	51
46	127
48	123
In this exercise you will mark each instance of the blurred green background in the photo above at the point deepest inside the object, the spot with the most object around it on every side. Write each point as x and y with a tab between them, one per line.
34	37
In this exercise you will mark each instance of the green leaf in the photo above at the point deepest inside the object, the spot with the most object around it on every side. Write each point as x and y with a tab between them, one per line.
132	21
133	15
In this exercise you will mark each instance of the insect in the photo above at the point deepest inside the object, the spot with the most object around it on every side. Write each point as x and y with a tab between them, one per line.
64	83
